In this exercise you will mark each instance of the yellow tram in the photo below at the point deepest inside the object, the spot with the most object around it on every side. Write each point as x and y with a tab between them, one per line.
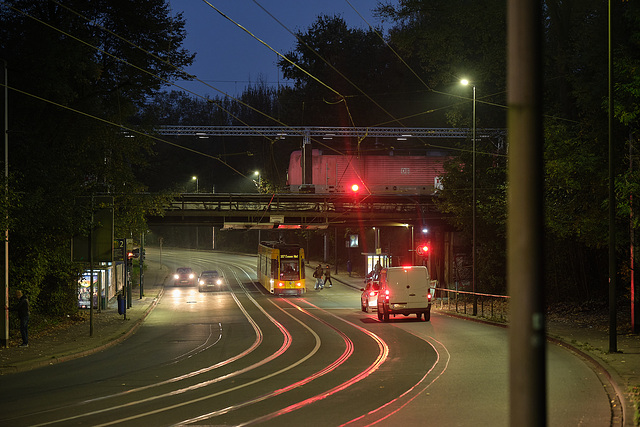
281	268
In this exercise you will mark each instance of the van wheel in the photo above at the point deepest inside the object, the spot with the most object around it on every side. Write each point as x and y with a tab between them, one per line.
362	307
379	314
427	315
386	315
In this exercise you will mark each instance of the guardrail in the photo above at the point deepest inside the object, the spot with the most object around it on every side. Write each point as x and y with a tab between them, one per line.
462	301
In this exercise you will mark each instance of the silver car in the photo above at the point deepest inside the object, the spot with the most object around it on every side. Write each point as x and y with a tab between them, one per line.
210	280
369	298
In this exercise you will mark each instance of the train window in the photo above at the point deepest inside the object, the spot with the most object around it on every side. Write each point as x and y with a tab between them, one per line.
289	269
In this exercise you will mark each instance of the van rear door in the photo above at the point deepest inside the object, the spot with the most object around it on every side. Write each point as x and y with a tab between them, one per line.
409	285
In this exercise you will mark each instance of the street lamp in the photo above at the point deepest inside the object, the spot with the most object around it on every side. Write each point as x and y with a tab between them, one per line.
195	178
466	82
259	183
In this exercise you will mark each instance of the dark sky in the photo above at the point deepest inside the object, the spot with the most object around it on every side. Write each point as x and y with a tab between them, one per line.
228	58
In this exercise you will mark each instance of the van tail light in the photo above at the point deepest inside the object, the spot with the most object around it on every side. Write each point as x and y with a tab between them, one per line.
386	294
373	293
429	296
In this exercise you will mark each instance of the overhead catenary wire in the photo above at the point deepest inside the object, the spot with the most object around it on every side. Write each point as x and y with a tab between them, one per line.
128	129
164	80
181	70
144	71
394	119
342	97
315	52
478	100
170	64
156	57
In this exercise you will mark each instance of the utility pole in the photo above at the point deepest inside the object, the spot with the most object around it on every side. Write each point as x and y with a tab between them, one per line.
525	220
5	293
613	321
141	264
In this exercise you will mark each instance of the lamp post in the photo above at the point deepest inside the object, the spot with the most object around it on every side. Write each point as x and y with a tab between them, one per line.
466	82
195	178
413	248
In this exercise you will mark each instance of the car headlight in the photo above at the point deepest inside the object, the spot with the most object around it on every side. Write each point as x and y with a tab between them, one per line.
175	276
202	282
219	282
191	276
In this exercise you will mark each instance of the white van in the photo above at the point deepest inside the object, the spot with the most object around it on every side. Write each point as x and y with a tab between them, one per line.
404	290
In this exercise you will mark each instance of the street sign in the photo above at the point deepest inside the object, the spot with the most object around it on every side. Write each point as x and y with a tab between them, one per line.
119	249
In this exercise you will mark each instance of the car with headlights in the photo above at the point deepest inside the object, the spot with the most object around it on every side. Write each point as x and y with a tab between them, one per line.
184	276
369	297
210	280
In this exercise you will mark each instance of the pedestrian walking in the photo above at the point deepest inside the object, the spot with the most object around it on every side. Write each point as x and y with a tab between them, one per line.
349	267
377	270
23	314
327	276
318	276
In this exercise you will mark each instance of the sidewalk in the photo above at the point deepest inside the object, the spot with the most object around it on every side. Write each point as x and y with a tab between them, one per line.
109	328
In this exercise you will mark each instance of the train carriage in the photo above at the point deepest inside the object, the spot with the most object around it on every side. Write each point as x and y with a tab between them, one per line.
378	174
281	268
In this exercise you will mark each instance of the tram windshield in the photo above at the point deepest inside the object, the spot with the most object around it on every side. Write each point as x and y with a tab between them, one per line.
289	269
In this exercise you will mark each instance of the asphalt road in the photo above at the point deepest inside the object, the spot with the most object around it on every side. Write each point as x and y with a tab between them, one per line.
242	357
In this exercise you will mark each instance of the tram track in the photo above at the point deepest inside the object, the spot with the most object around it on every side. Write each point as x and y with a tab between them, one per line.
304	376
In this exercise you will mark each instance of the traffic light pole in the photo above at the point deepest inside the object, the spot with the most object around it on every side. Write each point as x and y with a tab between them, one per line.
141	264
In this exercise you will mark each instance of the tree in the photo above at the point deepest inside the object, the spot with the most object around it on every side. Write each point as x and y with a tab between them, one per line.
78	73
428	33
445	41
345	76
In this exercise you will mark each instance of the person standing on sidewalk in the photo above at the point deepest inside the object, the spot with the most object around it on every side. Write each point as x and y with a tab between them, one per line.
327	276
23	314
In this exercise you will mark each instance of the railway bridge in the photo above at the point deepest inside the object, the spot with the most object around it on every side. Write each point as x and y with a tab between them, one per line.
298	211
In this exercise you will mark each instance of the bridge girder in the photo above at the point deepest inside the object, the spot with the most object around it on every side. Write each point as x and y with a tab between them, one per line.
327	132
306	211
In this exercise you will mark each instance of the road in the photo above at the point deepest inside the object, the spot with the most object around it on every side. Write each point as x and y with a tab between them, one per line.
242	357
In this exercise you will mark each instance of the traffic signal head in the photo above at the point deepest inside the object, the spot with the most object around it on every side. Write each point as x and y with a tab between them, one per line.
423	250
355	188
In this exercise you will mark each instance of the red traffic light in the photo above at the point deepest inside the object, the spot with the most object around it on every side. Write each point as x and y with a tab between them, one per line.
355	188
423	250
129	254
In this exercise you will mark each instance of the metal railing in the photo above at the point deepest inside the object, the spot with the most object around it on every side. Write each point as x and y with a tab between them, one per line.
463	301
